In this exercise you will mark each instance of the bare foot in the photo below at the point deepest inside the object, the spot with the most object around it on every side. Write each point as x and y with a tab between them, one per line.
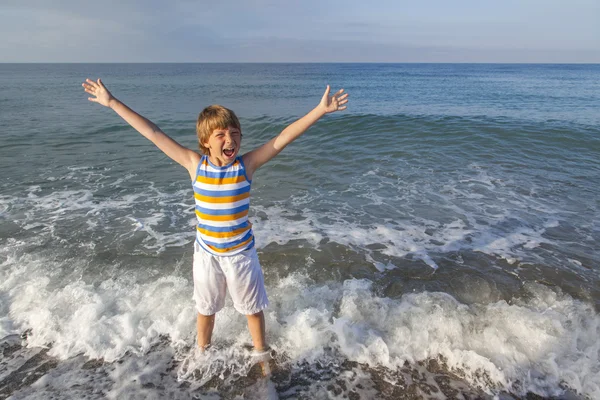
264	359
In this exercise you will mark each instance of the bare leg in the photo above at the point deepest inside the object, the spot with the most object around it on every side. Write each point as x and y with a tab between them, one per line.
256	326
205	325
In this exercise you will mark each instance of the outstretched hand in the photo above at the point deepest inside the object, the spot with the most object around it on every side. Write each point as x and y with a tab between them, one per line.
97	89
333	103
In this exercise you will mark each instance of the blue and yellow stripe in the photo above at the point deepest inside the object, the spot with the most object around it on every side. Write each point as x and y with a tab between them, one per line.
222	197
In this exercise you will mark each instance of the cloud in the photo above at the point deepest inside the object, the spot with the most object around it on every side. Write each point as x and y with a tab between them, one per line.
278	50
268	30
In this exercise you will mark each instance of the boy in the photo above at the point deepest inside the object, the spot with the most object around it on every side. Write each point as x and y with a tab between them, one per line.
224	252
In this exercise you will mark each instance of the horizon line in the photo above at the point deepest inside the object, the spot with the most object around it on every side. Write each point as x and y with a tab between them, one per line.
305	62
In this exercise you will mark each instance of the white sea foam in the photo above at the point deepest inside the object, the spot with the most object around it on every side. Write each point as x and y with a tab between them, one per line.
100	321
475	212
539	343
61	213
422	219
418	237
534	345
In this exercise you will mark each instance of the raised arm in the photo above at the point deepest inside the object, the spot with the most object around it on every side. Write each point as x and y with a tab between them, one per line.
182	155
259	156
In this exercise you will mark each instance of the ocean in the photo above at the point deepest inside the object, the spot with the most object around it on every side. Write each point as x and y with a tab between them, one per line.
436	240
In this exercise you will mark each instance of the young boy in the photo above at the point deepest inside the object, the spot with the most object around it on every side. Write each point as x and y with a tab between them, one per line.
224	252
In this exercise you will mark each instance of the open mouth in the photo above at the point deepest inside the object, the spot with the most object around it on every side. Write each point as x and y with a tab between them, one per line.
228	152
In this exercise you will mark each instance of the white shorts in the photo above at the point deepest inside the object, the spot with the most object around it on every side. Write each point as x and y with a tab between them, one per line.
240	274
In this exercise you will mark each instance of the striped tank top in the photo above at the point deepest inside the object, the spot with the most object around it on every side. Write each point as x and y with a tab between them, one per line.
222	196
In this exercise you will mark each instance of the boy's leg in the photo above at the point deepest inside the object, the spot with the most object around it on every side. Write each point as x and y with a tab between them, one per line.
256	326
205	325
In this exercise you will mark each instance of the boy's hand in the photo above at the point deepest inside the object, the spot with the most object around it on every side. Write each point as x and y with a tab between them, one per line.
97	89
333	103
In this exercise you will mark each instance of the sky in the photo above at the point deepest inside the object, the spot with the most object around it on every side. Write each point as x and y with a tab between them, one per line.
512	31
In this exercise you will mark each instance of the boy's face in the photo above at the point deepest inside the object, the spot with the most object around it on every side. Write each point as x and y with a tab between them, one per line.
224	145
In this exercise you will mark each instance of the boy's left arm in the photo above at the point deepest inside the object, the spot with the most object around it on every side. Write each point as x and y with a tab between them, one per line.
259	156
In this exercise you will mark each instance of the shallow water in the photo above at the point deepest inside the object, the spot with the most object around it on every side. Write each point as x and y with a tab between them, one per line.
443	229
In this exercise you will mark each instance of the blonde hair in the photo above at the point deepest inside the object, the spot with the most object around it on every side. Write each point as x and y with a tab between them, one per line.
211	118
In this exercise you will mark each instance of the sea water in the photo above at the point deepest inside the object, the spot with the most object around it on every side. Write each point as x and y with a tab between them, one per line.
438	239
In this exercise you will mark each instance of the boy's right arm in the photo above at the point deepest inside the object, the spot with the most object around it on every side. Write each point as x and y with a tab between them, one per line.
182	155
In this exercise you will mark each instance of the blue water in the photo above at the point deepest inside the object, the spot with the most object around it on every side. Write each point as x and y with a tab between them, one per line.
450	214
